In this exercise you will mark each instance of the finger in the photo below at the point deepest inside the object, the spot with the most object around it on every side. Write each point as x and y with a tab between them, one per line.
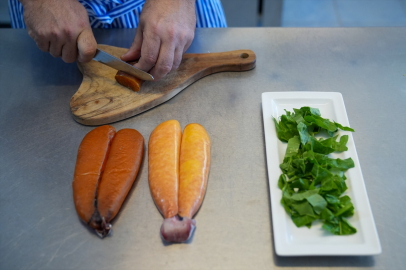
165	61
177	58
134	53
188	40
55	48
56	42
149	52
187	45
87	45
69	52
43	45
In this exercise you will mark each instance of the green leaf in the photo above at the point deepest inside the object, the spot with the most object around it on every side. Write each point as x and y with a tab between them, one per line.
315	111
343	128
329	163
328	186
286	206
328	217
283	131
346	228
301	183
320	174
300	166
321	122
318	203
340	146
310	111
346	210
329	145
333	228
291	167
282	181
345	200
321	146
303	208
303	133
303	195
332	200
303	220
340	183
289	122
342	227
293	147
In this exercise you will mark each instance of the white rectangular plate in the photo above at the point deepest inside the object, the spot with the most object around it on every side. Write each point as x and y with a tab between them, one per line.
293	241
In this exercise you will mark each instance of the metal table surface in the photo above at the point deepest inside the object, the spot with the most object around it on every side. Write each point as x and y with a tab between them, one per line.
39	140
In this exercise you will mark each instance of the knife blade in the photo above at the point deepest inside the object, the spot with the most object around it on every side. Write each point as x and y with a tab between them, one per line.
113	62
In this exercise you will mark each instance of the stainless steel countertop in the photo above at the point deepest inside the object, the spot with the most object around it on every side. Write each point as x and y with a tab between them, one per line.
39	140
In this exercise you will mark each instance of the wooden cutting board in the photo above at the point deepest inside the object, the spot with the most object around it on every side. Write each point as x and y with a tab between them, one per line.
101	100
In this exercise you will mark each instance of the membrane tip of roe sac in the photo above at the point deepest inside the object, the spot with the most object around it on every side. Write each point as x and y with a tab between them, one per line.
106	229
177	230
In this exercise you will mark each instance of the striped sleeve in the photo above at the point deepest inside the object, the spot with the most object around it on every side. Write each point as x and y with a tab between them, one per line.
16	11
210	13
126	13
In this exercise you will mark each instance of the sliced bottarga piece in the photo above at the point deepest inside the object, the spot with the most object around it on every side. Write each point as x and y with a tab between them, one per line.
128	80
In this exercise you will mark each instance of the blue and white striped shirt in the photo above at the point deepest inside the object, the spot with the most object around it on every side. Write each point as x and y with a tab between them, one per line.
126	13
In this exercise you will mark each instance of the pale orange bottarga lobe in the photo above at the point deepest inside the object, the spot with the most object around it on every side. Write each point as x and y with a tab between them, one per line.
163	166
194	169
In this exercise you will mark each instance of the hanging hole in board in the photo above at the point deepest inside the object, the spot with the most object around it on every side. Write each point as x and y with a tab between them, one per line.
244	55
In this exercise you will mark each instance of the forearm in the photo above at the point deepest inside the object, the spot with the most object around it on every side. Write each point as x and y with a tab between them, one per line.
172	3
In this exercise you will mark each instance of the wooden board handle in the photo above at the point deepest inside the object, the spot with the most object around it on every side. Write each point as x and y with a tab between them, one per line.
101	100
239	60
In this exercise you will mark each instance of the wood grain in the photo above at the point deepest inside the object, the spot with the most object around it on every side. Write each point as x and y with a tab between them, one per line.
101	100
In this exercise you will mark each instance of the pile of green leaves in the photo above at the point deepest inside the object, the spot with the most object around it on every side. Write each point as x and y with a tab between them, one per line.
312	183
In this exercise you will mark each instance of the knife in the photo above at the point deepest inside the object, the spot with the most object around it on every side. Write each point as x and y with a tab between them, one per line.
116	63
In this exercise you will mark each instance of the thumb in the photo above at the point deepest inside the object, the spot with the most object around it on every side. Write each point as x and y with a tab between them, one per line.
134	53
87	45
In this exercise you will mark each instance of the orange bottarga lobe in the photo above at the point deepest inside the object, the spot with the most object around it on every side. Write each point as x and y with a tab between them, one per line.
163	166
194	169
122	167
90	163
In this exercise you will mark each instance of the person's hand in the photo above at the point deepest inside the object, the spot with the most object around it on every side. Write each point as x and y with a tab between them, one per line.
165	31
61	28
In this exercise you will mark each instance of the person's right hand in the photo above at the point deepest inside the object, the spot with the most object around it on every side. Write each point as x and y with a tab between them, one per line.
61	28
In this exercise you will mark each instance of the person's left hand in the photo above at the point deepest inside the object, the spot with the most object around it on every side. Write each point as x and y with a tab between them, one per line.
165	31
